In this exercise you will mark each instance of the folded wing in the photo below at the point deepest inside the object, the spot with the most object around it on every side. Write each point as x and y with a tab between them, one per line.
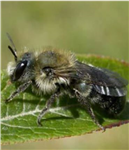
104	81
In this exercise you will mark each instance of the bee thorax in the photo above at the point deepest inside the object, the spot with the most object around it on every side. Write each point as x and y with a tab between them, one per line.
47	85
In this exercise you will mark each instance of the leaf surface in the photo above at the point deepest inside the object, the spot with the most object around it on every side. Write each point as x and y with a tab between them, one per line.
65	118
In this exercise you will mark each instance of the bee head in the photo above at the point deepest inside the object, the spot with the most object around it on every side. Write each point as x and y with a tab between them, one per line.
22	68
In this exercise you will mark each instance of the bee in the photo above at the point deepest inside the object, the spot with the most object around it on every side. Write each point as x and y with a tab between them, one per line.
57	72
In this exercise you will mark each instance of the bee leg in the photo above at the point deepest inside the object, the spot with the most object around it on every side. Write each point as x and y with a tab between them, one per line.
47	107
20	89
85	103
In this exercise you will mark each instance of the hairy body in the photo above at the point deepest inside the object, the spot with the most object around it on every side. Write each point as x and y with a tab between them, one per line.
58	72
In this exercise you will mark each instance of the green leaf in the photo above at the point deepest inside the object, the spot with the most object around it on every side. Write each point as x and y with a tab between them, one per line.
65	118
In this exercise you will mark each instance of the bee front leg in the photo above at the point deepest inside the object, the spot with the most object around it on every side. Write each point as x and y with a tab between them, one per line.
47	107
20	89
85	103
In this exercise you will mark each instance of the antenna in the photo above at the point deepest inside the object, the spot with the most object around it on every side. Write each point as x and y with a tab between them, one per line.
13	50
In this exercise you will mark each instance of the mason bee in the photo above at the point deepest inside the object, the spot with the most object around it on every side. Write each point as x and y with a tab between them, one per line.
57	72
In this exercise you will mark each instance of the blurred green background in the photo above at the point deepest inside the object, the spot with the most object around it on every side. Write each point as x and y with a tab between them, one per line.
82	27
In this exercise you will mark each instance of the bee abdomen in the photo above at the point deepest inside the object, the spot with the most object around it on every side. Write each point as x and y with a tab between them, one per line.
110	105
114	105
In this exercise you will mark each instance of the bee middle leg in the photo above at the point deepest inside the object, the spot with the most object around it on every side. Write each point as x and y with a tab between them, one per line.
85	103
47	107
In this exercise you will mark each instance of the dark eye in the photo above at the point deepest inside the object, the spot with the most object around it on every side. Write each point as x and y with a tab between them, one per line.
19	70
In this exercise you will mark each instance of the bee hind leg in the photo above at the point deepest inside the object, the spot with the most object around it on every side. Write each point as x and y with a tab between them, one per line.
47	107
86	104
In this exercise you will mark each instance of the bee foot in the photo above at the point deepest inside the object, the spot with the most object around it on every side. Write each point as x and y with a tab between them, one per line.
39	121
102	128
7	101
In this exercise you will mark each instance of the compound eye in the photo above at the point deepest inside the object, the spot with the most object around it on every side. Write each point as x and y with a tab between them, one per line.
19	70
